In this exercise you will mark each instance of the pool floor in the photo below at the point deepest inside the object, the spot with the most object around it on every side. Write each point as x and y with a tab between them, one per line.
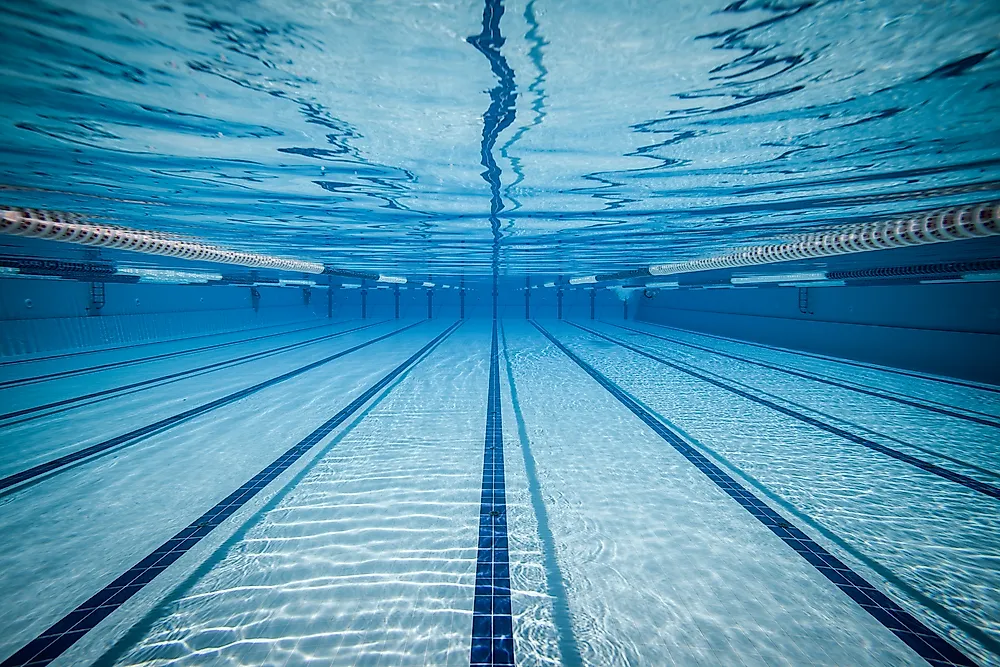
440	492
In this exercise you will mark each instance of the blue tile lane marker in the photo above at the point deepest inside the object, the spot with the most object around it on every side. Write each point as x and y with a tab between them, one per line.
169	422
57	639
171	376
492	622
926	466
925	642
982	418
132	362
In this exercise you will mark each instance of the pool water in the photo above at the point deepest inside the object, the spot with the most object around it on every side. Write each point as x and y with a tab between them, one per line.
620	551
484	431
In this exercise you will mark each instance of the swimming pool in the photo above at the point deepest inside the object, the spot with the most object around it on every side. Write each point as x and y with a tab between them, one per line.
499	333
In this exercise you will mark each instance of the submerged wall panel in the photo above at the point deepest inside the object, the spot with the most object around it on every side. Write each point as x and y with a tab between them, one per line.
49	315
948	329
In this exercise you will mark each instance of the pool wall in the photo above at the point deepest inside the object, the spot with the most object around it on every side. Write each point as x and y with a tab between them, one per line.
947	328
42	316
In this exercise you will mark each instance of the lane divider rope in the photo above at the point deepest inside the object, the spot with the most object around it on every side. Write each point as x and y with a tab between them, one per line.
70	228
938	226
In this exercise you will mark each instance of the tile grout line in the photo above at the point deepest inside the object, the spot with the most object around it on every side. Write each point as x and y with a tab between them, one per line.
492	620
930	646
58	638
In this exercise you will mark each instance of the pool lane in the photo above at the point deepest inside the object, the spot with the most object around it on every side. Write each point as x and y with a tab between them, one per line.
122	419
881	395
544	618
976	398
924	641
64	634
370	558
927	541
660	565
852	433
951	440
30	371
23	404
95	520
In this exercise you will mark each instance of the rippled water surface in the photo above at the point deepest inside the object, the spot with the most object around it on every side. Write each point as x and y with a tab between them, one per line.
290	485
585	134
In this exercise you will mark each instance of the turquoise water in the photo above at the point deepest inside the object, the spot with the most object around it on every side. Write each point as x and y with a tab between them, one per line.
354	134
621	551
488	464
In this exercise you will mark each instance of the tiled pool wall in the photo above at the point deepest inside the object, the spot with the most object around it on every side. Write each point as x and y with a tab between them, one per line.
950	329
45	316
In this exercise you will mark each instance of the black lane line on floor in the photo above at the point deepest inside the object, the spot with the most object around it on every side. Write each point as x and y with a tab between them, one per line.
925	642
77	353
169	422
492	622
926	466
131	362
171	376
569	648
984	419
58	638
838	360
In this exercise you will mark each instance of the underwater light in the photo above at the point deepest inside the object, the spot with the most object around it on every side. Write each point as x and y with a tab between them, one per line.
169	276
396	280
982	277
816	283
779	278
583	281
427	284
549	285
296	283
663	285
351	286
